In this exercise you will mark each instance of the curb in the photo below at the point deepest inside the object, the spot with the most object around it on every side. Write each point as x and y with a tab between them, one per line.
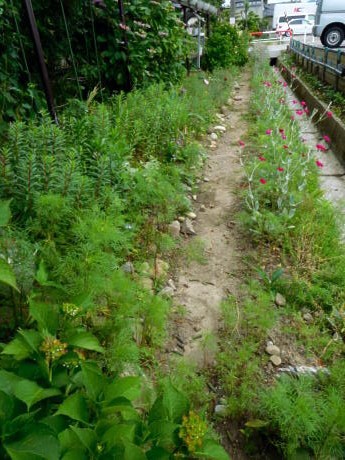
333	127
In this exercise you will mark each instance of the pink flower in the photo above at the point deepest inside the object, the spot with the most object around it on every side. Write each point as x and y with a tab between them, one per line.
319	164
303	104
268	131
123	26
280	169
326	139
284	84
261	158
263	181
306	111
283	136
292	118
299	112
329	114
321	147
294	101
242	144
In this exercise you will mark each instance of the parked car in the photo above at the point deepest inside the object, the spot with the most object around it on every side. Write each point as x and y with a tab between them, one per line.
330	22
295	27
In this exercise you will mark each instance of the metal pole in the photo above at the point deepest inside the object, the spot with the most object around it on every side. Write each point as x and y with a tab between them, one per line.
125	40
199	44
42	64
184	9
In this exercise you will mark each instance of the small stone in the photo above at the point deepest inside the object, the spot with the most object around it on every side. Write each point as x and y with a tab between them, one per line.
220	116
236	86
172	284
187	227
213	146
161	268
272	350
280	300
191	215
219	128
128	267
308	318
276	360
167	291
206	179
224	110
213	136
237	98
174	228
194	197
196	328
220	409
202	208
181	219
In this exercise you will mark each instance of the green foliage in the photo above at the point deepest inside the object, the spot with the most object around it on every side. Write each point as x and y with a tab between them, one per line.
225	47
308	414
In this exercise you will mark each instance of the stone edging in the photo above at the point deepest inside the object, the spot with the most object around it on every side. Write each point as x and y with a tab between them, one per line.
333	127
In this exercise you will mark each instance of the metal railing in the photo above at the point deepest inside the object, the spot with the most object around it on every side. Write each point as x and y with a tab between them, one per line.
330	59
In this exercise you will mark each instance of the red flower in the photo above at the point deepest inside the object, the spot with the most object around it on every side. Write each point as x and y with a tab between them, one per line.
280	169
285	146
261	158
329	114
263	181
284	84
326	138
281	130
268	131
319	164
242	144
321	147
299	112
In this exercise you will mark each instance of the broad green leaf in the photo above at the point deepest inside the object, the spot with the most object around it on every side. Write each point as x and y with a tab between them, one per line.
39	444
256	423
120	406
127	387
133	452
74	407
75	454
85	340
86	437
164	433
118	433
93	379
7	381
172	405
212	451
41	274
157	453
46	315
7	275
30	393
5	212
6	407
23	345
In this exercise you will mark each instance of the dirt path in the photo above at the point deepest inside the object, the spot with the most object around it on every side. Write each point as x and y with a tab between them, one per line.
202	287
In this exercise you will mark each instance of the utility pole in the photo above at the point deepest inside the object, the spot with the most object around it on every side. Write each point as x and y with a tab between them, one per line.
40	57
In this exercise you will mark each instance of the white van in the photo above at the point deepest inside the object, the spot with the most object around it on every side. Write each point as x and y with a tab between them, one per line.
330	22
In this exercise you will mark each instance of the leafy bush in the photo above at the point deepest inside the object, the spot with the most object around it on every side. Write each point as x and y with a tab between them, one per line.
225	47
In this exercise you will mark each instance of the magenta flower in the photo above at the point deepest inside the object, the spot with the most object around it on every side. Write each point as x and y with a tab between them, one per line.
329	114
263	181
299	112
326	139
283	136
285	84
280	169
261	158
241	143
294	101
319	164
269	132
321	147
303	104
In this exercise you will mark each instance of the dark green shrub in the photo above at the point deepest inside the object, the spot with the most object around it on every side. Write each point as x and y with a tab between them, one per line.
226	47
